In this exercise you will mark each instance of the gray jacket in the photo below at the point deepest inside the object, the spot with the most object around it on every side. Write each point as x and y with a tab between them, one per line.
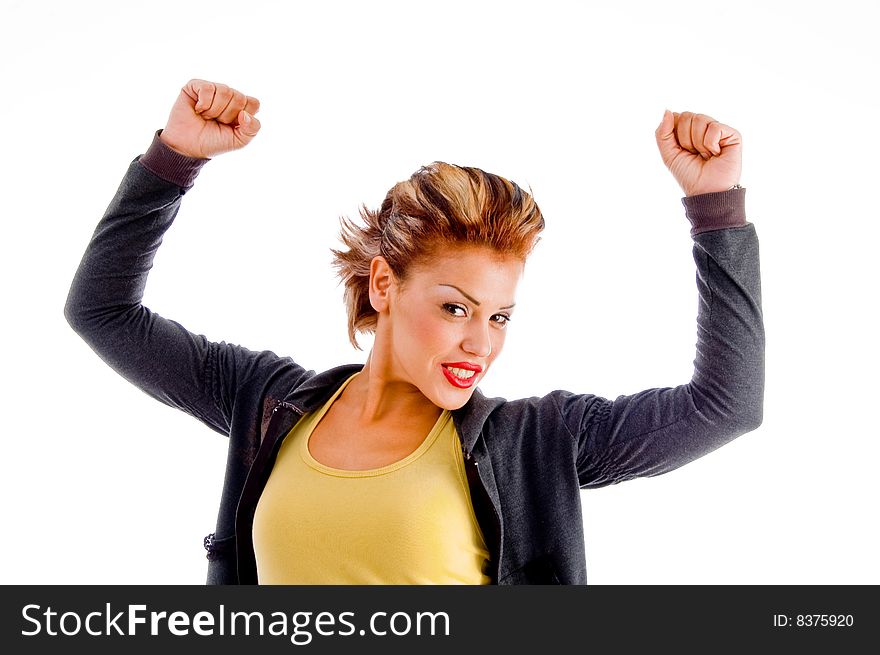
526	459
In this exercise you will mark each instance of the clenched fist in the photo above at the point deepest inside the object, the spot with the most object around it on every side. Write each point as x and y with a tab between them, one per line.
703	155
209	119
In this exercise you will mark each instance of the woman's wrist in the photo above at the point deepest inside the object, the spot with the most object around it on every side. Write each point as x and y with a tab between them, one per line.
716	210
169	164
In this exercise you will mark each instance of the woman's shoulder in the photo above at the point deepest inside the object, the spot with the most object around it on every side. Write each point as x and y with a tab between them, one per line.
526	422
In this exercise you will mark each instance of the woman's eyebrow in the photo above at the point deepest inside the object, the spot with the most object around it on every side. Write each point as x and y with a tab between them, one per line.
472	299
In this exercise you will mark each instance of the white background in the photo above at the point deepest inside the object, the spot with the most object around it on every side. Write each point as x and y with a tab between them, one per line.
102	484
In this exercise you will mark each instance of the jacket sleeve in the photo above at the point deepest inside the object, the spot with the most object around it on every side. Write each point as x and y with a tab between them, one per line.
161	357
658	430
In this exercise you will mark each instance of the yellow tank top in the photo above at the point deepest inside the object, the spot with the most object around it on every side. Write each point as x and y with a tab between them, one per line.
411	522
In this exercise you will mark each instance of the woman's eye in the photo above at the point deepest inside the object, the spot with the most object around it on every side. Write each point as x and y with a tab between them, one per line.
501	319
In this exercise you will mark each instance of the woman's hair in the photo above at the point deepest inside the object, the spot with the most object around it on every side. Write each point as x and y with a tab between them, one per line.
439	205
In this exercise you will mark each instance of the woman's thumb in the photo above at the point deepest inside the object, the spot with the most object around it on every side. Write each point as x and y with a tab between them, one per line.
665	134
247	127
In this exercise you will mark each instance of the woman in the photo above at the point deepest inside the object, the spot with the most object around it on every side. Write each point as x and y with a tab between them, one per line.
400	471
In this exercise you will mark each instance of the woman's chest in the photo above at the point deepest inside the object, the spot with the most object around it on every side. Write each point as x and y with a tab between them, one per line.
340	443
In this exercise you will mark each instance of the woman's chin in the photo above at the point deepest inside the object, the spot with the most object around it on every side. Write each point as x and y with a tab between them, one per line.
456	399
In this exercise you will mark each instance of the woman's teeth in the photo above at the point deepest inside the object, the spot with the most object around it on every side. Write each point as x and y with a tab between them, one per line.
461	373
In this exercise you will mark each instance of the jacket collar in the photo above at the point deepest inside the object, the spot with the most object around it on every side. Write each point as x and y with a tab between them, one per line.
314	392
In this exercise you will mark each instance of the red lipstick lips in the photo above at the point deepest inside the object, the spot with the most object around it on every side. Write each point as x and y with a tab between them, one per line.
465	365
456	381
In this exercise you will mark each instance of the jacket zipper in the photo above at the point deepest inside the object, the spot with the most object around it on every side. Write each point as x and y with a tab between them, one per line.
472	469
284	403
247	567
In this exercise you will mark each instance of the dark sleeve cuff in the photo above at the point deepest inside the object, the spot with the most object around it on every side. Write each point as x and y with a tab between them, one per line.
716	211
172	166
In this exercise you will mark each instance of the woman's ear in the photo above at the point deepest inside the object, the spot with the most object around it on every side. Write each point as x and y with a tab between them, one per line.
381	283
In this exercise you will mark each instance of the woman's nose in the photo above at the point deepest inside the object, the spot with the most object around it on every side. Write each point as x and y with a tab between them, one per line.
478	342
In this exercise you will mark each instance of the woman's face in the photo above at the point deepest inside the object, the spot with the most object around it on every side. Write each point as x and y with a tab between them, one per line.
448	322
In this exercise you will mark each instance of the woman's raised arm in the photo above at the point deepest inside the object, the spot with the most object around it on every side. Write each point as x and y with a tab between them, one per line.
104	304
658	430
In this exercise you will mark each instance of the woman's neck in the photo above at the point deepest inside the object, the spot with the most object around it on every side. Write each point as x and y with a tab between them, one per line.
374	397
